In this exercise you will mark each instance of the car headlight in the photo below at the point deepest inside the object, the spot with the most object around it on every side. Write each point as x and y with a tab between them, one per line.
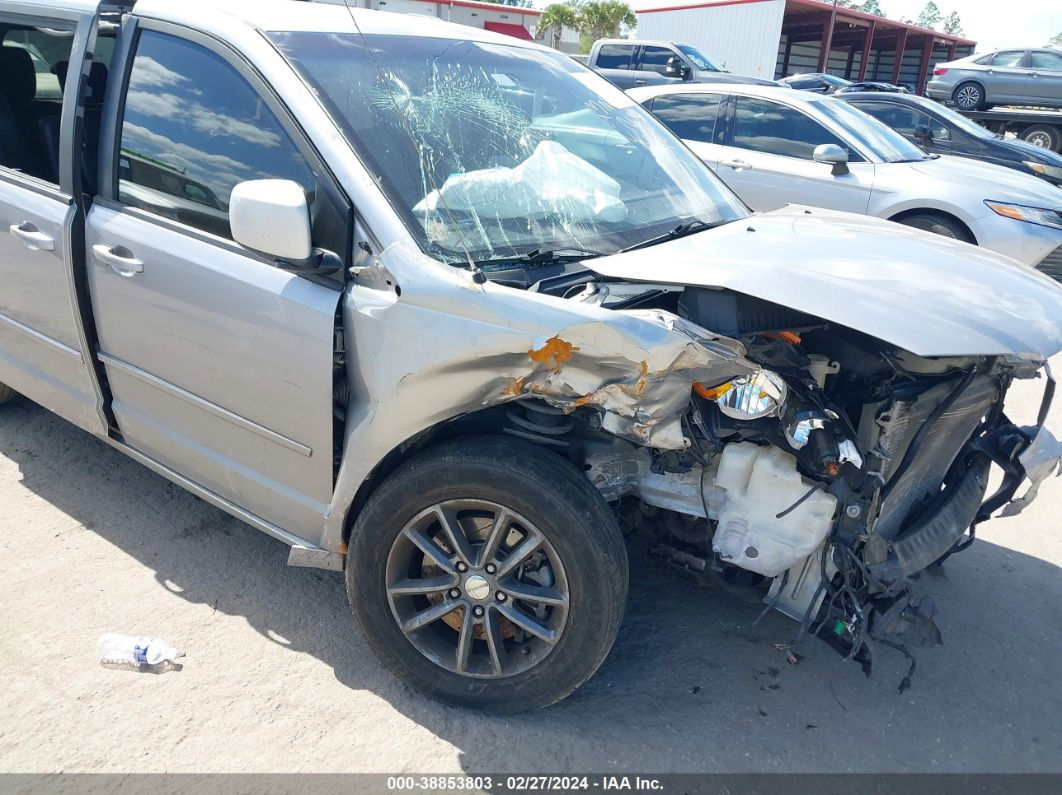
1032	215
748	398
1055	172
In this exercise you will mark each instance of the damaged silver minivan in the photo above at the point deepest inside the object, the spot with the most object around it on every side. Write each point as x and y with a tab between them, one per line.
448	311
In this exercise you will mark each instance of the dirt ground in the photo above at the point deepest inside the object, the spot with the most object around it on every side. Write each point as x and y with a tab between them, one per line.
278	678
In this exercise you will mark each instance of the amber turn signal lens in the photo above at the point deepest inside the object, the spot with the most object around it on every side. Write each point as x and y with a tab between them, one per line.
712	392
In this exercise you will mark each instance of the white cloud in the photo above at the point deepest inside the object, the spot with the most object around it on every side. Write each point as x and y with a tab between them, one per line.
149	72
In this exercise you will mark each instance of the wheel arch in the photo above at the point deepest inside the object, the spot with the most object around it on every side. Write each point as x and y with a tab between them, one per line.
950	216
488	421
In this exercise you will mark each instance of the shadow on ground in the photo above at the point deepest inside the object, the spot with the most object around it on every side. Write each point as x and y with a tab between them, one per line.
692	683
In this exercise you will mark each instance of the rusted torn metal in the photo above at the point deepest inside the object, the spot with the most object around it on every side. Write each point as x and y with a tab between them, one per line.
642	392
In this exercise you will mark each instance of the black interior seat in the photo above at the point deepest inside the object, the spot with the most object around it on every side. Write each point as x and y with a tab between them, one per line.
18	86
50	126
10	138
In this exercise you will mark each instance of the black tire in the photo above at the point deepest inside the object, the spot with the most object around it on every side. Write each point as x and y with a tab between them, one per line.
969	96
1043	135
6	393
545	489
938	224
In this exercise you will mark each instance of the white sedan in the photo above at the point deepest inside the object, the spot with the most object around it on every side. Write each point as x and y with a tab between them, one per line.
775	146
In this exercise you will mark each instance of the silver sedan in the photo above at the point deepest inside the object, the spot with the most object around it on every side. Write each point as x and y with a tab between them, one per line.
774	146
1005	77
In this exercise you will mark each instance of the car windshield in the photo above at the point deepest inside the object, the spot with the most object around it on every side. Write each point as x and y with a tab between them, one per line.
491	151
837	81
954	117
870	135
700	60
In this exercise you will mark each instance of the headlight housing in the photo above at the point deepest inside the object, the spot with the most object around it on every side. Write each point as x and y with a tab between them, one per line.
1032	215
1055	172
761	394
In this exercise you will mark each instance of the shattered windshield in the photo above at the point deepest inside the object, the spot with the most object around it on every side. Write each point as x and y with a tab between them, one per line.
490	151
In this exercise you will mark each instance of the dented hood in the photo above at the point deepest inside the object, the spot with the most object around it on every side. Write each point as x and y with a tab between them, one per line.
922	292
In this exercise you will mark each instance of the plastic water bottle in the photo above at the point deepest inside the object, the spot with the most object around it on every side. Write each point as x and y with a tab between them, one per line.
136	652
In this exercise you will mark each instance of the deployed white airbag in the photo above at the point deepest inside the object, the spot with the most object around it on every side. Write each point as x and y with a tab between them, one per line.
551	181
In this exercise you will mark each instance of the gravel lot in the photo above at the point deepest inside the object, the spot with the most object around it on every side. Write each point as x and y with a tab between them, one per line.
278	678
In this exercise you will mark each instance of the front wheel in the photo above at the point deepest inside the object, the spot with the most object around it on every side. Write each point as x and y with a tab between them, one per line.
6	393
969	96
488	573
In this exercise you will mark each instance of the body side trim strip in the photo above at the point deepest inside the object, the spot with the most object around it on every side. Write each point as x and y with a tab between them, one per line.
59	346
205	405
206	494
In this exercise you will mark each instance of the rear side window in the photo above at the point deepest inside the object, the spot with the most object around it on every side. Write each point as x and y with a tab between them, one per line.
193	129
690	116
764	126
1048	61
33	63
904	119
654	59
1008	58
614	56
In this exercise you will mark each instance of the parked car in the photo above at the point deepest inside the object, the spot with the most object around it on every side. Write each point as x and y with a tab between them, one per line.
629	63
774	147
823	83
1005	77
939	129
456	360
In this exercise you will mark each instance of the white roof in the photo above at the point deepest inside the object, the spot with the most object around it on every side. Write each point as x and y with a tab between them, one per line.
288	15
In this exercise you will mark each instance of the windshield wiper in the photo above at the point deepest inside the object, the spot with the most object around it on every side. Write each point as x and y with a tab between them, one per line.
681	230
537	257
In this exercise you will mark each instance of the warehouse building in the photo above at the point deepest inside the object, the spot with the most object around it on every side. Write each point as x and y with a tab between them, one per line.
777	38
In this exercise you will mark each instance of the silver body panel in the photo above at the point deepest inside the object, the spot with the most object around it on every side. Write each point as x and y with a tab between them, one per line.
220	365
922	292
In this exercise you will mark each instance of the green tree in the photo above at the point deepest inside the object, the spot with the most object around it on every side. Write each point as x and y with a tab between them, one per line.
556	18
930	16
952	24
1055	41
604	19
872	7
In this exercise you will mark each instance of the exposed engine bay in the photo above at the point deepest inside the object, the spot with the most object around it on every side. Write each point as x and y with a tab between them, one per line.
822	483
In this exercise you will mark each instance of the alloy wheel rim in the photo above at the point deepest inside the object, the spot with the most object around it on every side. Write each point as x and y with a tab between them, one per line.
968	97
477	589
1039	139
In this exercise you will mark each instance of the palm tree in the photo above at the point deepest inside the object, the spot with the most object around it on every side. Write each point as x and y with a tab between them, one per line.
604	19
556	18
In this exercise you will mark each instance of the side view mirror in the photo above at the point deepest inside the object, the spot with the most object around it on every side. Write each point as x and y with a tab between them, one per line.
271	216
676	68
834	155
923	133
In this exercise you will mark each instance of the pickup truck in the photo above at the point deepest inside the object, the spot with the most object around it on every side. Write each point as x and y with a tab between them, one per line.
629	63
446	311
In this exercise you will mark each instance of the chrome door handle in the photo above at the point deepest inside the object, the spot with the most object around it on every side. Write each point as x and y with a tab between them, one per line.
639	82
737	165
119	258
32	237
